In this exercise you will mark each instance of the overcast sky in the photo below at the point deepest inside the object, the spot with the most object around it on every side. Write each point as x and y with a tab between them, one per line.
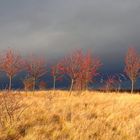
55	27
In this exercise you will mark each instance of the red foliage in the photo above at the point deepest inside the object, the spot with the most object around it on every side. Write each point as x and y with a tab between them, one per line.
71	65
11	64
80	68
132	65
89	68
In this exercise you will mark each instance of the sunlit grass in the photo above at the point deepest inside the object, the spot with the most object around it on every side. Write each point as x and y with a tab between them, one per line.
81	116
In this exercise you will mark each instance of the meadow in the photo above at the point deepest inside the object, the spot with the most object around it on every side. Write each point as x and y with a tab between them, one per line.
49	115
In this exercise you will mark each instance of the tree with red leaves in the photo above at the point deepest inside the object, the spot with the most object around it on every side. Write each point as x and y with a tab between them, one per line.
89	69
36	68
81	69
71	66
132	66
11	64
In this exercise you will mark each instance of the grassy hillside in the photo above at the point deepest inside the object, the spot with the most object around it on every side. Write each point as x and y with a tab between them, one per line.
81	116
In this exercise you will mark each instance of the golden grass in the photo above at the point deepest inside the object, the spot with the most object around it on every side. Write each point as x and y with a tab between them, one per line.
81	116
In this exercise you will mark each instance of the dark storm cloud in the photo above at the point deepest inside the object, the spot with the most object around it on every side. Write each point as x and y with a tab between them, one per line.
55	27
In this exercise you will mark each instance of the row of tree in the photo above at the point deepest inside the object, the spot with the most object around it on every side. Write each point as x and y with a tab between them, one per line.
81	68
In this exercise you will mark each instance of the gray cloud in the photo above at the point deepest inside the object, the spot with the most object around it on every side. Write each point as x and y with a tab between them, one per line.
56	27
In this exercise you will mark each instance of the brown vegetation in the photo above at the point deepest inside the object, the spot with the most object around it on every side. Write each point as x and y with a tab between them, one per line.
81	116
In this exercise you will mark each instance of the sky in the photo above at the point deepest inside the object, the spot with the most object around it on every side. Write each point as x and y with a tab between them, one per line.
57	27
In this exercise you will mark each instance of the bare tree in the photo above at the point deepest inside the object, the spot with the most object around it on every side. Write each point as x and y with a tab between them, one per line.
132	66
36	68
110	83
56	73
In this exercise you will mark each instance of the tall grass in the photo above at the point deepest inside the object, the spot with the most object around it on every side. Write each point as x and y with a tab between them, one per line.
81	116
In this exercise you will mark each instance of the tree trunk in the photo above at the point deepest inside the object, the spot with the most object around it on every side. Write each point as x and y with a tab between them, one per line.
54	83
10	83
132	86
86	86
119	87
86	82
71	87
34	84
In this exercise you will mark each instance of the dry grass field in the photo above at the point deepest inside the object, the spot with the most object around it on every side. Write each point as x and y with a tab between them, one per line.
82	116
